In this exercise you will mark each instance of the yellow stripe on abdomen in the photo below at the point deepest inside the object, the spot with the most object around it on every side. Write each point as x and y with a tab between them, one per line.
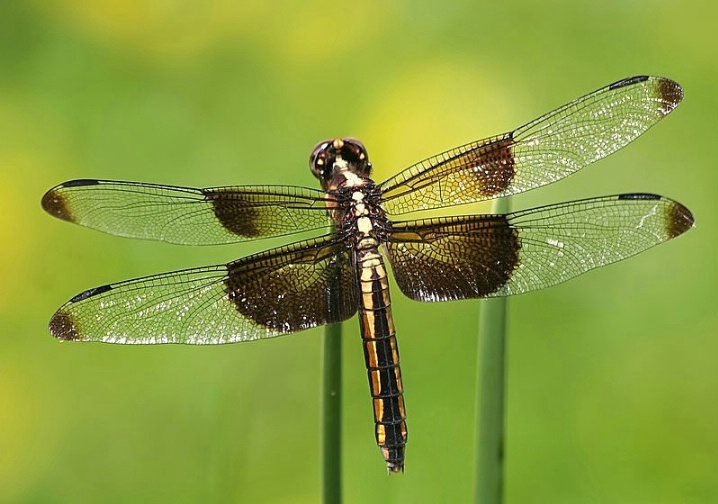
382	358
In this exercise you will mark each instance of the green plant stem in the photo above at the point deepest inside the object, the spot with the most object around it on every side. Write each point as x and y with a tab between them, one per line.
491	391
332	415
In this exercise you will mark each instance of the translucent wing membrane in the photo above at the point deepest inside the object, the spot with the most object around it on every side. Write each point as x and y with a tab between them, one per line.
277	292
313	282
186	215
499	255
543	151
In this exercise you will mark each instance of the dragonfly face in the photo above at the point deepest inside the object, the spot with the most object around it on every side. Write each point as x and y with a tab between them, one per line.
350	153
335	276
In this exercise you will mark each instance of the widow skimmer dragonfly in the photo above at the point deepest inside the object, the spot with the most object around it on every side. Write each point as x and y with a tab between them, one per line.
330	278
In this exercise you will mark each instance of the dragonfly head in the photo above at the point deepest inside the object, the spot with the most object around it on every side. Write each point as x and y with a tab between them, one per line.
335	155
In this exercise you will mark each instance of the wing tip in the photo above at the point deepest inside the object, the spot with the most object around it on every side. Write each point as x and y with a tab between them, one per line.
678	217
54	203
670	94
668	91
62	326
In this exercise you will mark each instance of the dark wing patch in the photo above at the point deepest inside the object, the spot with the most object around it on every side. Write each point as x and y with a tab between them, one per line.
453	258
538	153
500	255
294	288
187	215
276	292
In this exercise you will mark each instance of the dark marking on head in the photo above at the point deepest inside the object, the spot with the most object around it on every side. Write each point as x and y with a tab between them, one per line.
237	215
494	165
628	81
54	203
670	93
90	292
63	327
678	220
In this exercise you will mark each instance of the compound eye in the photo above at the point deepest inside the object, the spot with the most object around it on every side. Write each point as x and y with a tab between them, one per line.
355	148
319	159
355	152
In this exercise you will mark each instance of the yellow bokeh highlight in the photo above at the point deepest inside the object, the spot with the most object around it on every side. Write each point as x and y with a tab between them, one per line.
322	33
28	439
171	32
32	140
432	107
159	30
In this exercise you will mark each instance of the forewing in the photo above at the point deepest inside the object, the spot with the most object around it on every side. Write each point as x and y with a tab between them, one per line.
500	255
187	215
276	292
543	151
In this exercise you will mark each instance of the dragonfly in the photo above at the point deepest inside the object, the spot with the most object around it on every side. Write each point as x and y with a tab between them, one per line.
343	271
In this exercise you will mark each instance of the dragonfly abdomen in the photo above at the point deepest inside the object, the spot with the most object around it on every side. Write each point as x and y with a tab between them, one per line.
382	358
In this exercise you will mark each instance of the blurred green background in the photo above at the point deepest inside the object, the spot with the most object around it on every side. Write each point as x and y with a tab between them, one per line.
612	377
